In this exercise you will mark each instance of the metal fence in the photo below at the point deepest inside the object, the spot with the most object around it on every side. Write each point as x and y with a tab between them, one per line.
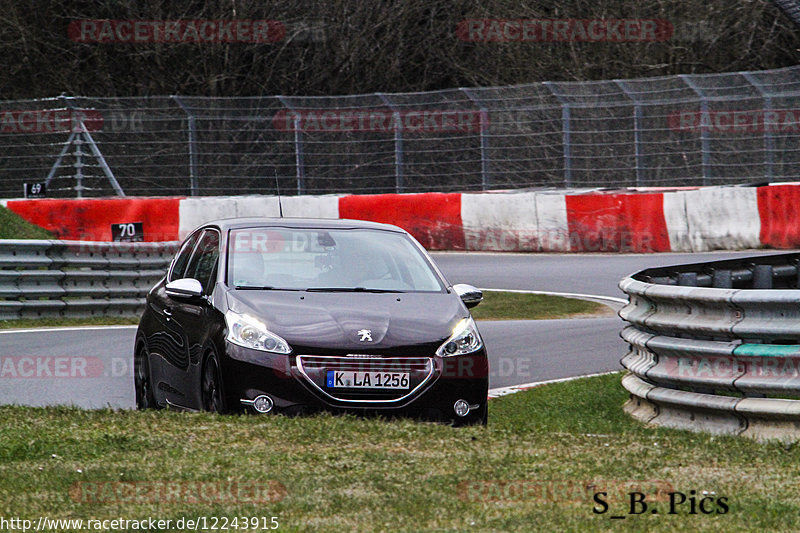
669	131
40	278
716	346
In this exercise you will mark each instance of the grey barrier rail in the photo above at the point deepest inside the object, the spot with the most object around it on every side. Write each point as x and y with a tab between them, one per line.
716	346
43	278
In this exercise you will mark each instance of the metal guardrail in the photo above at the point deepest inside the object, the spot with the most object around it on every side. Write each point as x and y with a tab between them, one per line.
716	346
42	278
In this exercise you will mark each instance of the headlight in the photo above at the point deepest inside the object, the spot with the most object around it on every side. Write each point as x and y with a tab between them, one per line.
249	332
465	339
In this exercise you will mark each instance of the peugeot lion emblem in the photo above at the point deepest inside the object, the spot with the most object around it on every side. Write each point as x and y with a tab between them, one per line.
365	335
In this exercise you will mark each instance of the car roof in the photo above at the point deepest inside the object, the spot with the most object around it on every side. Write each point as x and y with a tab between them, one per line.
291	222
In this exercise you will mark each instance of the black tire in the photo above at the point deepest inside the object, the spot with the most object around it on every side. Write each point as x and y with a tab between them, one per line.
211	386
143	381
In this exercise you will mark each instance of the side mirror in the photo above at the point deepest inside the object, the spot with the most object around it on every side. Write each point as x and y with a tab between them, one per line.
184	288
471	296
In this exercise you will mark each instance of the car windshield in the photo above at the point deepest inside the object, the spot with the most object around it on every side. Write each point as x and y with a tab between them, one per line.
328	260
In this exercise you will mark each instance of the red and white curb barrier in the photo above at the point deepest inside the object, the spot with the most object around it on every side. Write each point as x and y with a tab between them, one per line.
513	389
628	221
91	219
199	210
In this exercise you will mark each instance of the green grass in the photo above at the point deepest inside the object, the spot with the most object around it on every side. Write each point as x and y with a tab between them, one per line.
353	474
524	306
12	226
63	322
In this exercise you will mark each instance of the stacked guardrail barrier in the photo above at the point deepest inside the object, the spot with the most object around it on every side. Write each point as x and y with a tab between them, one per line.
716	346
42	278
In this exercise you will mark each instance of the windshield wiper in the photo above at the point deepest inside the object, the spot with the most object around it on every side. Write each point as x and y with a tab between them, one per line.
348	289
261	288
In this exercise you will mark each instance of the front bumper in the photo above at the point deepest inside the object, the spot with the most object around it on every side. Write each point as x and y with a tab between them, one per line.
296	383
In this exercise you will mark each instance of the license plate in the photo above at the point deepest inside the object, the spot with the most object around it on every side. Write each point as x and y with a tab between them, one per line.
366	380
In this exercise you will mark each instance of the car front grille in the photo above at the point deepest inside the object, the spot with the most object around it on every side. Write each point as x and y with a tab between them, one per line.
315	368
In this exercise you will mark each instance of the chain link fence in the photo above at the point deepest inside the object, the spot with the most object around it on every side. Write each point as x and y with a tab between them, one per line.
669	131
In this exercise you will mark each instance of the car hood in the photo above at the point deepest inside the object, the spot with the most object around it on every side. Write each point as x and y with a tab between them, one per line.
353	321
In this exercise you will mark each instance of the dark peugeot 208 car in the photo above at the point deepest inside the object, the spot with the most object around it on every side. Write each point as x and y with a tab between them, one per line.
297	315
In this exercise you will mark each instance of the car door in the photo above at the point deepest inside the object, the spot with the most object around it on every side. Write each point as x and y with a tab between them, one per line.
167	343
194	316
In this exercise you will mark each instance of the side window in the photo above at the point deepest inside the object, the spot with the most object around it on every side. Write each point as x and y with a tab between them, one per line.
179	264
203	265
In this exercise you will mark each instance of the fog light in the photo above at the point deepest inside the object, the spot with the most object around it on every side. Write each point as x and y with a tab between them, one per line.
262	403
461	407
